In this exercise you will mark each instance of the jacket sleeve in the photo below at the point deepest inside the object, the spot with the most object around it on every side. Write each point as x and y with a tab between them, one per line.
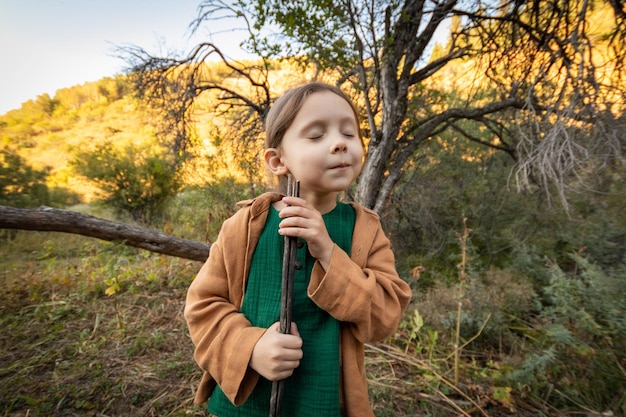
223	337
363	289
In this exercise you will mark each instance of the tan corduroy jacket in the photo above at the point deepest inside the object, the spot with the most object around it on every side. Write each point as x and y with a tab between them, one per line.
363	291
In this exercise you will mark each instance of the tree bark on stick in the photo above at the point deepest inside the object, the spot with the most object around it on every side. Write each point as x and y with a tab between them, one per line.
56	220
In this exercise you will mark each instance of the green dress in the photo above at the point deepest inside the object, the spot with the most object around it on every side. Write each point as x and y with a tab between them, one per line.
313	389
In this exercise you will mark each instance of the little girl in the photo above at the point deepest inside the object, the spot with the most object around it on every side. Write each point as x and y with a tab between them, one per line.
346	289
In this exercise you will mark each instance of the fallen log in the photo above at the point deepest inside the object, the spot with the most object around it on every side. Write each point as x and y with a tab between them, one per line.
50	219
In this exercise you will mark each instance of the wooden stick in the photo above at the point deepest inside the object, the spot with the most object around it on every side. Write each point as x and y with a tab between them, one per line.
286	301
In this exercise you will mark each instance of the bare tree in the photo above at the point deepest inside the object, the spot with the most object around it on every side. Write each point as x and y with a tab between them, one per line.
171	84
541	94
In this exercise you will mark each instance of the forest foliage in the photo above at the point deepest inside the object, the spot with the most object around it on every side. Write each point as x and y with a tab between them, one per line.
519	303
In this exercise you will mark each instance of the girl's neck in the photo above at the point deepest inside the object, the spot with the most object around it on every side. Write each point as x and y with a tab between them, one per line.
324	203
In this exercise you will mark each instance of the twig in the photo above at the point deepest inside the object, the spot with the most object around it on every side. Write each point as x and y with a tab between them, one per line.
476	335
289	260
462	276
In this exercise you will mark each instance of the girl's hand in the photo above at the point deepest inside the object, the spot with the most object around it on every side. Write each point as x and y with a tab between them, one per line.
276	355
302	220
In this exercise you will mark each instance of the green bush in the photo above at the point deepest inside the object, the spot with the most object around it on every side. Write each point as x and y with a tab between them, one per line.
134	179
20	184
198	212
491	303
581	340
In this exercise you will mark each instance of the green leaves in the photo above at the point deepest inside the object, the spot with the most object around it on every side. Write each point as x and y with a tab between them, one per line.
133	180
20	184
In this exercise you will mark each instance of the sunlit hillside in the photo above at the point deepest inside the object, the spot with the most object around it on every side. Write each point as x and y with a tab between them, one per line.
47	131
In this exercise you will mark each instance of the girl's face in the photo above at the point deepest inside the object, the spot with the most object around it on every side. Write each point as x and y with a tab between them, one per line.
322	148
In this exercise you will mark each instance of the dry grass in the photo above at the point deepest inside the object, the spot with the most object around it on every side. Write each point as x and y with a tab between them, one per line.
63	349
69	358
67	349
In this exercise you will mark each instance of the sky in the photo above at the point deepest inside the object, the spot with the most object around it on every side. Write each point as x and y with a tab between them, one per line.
46	45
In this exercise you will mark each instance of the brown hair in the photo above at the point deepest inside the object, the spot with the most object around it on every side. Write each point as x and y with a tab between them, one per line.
287	107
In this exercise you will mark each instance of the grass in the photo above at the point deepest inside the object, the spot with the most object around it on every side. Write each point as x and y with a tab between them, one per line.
68	357
69	349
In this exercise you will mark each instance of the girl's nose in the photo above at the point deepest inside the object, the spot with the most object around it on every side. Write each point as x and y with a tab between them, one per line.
339	146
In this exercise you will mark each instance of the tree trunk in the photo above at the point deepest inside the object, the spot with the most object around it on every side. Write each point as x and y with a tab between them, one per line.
56	220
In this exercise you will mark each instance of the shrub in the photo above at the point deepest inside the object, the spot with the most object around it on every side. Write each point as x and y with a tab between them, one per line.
20	184
581	342
135	180
198	212
491	304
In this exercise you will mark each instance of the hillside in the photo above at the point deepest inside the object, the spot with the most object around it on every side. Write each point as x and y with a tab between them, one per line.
46	131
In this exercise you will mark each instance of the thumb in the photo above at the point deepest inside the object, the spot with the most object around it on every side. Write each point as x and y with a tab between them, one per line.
275	327
294	330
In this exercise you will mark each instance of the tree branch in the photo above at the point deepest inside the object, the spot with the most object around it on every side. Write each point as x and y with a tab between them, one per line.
55	220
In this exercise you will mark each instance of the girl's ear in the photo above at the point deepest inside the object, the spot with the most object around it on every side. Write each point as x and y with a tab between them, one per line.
275	162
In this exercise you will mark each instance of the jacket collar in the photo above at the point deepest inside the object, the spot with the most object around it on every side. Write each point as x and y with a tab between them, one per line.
261	204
